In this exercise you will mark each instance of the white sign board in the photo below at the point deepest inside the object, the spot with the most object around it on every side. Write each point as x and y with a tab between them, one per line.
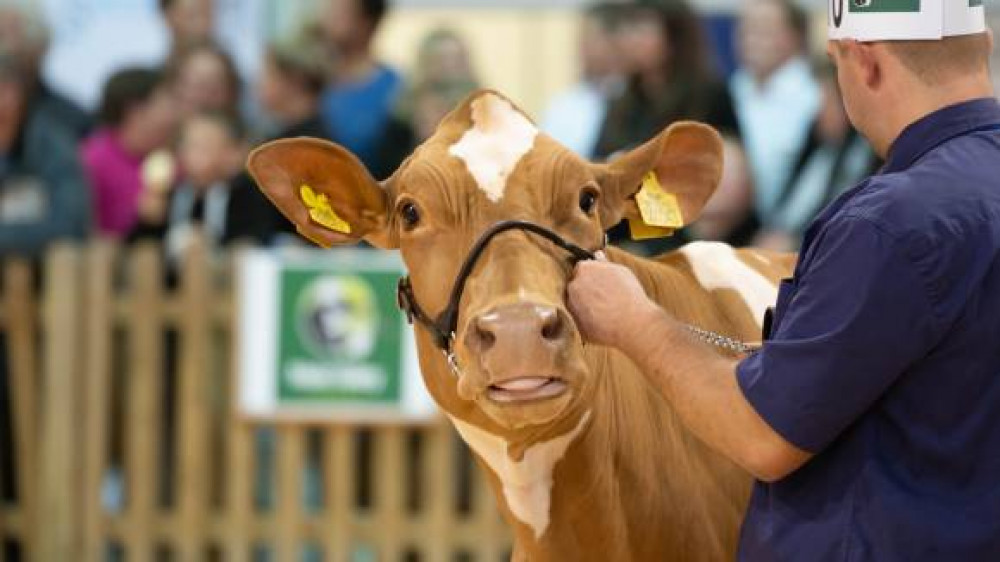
321	339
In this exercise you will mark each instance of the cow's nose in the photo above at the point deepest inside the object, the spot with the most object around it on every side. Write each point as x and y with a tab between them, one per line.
521	326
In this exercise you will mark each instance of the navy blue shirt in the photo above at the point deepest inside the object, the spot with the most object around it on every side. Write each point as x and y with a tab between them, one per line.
885	362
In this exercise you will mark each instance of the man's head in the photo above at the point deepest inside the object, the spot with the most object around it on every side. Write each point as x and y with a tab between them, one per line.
23	33
522	359
887	85
771	32
350	25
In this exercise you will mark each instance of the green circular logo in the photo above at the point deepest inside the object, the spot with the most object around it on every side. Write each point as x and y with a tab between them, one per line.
337	318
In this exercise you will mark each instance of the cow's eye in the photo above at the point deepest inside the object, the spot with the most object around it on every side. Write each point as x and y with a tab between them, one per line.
588	200
410	215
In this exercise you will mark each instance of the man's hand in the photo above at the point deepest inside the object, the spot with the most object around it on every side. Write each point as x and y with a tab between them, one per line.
607	302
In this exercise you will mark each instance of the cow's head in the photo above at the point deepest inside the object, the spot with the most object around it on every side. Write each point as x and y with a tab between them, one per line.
522	359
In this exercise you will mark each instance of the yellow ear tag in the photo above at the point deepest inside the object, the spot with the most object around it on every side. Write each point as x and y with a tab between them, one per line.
660	211
321	212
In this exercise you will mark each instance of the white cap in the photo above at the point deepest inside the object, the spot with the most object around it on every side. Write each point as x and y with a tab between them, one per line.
898	20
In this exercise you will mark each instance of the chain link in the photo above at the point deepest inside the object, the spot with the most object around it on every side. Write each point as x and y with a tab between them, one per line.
723	342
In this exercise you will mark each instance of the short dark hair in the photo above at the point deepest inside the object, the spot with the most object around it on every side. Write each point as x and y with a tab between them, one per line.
935	62
373	10
303	61
125	90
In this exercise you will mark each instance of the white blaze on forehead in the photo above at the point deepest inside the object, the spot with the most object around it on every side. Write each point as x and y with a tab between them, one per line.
716	266
500	136
527	484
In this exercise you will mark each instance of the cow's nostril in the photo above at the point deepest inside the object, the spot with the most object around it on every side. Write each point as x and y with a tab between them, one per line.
483	336
553	326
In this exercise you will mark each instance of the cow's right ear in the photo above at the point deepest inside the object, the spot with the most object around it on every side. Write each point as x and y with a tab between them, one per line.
325	190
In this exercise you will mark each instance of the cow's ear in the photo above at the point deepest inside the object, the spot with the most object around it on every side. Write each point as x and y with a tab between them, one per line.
686	159
325	190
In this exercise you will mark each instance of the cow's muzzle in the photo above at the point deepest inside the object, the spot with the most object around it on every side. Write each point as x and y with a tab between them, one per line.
443	327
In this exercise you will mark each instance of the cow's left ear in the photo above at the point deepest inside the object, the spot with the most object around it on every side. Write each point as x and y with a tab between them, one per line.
686	159
325	190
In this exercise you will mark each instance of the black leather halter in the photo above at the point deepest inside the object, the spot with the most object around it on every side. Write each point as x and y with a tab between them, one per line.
443	327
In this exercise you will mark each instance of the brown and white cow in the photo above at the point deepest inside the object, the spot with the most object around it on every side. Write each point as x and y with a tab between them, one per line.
586	460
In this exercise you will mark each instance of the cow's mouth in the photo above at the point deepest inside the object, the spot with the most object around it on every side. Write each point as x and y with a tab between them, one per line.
526	389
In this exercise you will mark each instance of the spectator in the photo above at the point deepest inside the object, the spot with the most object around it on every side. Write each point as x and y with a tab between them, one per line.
575	117
204	78
292	82
775	92
443	78
43	196
25	36
211	153
189	22
669	78
833	158
359	100
138	116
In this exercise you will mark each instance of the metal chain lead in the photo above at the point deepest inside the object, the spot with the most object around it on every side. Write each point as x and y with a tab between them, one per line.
723	342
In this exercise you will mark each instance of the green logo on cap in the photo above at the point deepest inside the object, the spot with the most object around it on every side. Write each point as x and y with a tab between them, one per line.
886	6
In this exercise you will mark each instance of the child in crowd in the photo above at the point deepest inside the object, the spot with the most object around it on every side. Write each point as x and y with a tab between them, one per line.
211	151
292	82
138	116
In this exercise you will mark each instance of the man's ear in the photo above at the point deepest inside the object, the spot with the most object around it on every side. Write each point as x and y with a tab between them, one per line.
325	190
686	159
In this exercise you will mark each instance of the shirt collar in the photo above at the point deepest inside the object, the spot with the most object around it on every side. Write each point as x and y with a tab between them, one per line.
943	125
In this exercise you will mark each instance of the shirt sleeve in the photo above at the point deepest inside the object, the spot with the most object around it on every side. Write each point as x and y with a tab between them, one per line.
857	317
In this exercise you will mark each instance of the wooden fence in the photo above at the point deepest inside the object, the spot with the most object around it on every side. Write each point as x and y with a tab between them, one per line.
125	444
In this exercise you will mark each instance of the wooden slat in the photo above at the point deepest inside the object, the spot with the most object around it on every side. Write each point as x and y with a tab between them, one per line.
144	413
486	518
390	502
21	326
439	493
97	399
288	515
240	465
60	433
192	405
339	478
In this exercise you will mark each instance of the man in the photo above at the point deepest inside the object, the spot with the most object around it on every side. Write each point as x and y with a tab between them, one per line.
43	197
872	416
775	94
359	101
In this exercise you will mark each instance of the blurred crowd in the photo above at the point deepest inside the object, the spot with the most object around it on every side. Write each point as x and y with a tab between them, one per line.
163	155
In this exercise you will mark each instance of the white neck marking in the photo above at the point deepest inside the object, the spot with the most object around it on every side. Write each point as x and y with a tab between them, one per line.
527	484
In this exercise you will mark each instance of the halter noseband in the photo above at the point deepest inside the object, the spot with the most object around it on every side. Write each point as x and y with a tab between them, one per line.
443	328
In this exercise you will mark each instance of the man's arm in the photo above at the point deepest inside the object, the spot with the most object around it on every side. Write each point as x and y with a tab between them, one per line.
700	384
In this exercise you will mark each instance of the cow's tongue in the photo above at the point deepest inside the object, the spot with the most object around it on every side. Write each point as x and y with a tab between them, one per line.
522	384
526	388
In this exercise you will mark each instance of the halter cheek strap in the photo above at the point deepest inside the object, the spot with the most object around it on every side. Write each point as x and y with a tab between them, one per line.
443	328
